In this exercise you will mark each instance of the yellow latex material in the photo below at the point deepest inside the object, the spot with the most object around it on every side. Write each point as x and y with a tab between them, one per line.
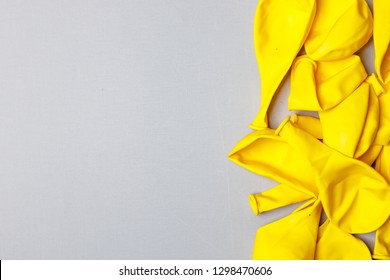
280	30
339	30
382	39
291	238
383	134
382	164
321	85
278	196
382	240
371	154
336	89
349	130
309	124
335	244
354	123
332	243
267	154
382	64
354	196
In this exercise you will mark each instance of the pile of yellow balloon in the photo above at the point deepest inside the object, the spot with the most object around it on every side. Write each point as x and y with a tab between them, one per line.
338	163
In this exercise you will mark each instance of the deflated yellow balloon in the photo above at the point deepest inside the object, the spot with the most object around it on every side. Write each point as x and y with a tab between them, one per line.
322	85
267	154
280	30
354	196
382	240
345	98
276	197
371	155
351	126
309	124
335	244
382	39
291	238
354	123
339	29
382	65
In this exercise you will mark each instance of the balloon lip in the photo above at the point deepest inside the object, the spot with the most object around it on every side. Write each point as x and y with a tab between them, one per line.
253	204
280	127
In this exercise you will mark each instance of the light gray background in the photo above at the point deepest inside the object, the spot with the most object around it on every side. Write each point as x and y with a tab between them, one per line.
116	118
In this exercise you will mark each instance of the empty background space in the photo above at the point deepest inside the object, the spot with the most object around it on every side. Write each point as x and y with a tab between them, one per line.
116	118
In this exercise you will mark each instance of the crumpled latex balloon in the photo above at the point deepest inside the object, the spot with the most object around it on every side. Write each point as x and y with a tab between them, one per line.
321	85
335	244
382	242
345	98
309	124
339	29
382	67
382	39
332	243
354	196
371	154
290	238
354	124
267	154
280	30
382	238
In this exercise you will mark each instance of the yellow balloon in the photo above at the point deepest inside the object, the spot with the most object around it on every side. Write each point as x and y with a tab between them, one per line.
339	29
280	30
309	124
382	240
291	238
322	85
355	197
335	244
278	196
267	154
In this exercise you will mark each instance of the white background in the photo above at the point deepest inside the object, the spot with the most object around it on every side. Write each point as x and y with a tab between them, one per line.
116	118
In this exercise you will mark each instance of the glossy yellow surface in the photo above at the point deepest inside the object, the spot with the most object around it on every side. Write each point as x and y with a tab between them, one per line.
355	197
297	232
278	196
382	238
325	161
267	154
309	124
382	66
349	130
280	30
335	244
321	85
339	30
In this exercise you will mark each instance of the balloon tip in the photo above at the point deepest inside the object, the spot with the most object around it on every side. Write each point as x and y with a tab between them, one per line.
253	204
